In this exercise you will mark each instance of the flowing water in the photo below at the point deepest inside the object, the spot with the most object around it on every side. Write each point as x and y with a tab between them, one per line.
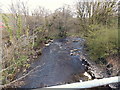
60	62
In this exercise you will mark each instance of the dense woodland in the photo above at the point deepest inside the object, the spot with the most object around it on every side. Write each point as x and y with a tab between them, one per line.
25	33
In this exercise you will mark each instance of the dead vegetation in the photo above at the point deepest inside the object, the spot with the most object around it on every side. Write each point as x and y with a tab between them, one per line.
113	65
26	32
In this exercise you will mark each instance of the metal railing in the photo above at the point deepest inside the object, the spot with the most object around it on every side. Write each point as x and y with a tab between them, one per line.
90	84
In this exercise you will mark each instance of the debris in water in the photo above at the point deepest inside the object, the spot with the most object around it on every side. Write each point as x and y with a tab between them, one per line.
88	75
47	44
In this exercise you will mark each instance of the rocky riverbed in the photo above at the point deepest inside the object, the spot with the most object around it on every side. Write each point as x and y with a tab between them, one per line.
62	61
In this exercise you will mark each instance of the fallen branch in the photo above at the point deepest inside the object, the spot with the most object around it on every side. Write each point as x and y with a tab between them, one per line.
12	83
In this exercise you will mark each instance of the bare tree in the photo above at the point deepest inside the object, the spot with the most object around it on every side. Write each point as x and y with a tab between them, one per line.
95	13
60	20
20	14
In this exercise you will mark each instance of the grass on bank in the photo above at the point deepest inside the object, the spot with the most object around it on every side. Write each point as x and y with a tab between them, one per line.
102	43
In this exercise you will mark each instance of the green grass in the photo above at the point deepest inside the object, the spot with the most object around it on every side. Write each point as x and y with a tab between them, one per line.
102	43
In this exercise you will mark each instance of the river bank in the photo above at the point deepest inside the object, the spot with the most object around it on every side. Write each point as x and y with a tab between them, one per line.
62	61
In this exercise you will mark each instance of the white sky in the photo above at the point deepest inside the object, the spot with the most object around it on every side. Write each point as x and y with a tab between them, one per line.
48	4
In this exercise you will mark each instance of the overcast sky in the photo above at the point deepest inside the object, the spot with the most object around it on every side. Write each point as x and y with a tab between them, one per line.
48	4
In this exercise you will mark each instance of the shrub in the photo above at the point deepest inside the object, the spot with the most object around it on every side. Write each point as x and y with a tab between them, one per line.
102	43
